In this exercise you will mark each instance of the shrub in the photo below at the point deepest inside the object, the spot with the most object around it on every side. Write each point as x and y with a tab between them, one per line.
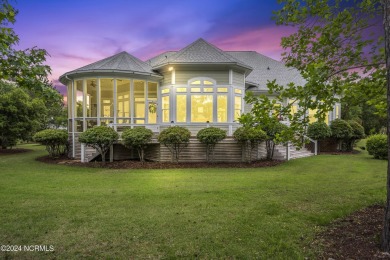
138	138
377	146
357	134
340	129
99	137
273	129
210	137
175	138
318	131
56	141
249	137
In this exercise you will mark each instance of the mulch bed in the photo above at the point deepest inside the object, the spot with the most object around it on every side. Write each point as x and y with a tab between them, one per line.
13	151
355	237
132	164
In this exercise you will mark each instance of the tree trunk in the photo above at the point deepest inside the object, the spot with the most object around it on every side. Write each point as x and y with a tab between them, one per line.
385	243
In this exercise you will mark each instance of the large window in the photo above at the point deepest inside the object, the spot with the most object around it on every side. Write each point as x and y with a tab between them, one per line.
165	109
222	108
201	108
181	108
107	97
237	107
123	101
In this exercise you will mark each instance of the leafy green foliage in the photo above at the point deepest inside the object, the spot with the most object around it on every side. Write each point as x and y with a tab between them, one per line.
56	141
19	114
357	134
377	146
210	137
249	137
175	138
341	129
318	130
138	138
99	137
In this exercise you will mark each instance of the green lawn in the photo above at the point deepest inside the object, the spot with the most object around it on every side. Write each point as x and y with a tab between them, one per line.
206	213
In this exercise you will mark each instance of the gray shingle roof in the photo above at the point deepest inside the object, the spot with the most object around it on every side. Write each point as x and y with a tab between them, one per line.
122	61
265	68
161	58
199	51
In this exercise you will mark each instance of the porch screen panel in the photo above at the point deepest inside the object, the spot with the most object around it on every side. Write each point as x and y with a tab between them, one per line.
79	97
91	98
107	97
69	100
152	102
123	100
139	101
201	108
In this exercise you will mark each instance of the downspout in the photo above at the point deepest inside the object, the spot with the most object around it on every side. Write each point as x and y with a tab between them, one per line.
72	115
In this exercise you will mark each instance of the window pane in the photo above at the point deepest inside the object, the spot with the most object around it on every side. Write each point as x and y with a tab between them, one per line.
123	97
139	99
91	123
238	91
237	107
91	99
222	108
181	90
181	108
208	90
165	109
165	91
195	89
312	112
221	90
207	82
79	98
201	108
79	126
196	82
107	97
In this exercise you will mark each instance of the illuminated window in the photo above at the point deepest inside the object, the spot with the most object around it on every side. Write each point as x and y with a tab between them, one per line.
311	115
123	98
152	102
165	109
195	90
237	107
79	98
201	108
222	90
165	91
180	90
91	98
207	82
181	108
337	111
237	91
222	108
107	97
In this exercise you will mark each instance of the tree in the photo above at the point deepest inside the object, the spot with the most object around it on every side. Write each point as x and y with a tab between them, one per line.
357	134
26	68
99	137
56	141
19	114
334	50
341	131
210	136
249	137
175	138
138	138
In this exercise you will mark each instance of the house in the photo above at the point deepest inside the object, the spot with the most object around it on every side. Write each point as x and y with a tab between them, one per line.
197	86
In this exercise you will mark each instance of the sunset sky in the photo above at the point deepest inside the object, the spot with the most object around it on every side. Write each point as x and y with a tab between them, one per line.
76	33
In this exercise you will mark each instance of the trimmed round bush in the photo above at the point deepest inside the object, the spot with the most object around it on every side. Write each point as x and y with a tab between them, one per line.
175	138
249	137
377	146
318	130
210	137
56	141
138	138
357	130
99	137
341	129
